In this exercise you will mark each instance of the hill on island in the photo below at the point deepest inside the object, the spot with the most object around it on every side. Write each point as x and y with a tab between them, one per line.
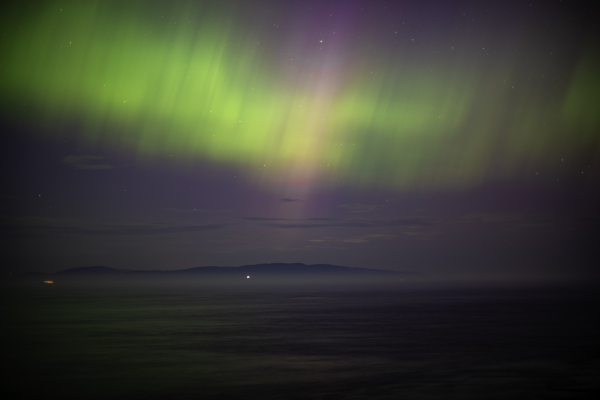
265	273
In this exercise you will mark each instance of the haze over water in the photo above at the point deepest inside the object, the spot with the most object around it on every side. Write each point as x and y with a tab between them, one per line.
300	341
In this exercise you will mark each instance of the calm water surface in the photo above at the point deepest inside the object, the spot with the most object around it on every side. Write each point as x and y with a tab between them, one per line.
300	342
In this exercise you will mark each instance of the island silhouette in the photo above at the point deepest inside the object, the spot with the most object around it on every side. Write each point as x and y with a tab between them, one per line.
293	272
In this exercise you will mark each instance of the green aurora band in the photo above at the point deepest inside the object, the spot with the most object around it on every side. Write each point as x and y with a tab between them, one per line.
188	85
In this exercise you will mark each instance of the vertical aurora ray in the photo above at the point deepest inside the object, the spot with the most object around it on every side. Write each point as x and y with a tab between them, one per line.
188	81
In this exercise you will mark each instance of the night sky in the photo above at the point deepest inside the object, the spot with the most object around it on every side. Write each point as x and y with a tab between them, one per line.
457	139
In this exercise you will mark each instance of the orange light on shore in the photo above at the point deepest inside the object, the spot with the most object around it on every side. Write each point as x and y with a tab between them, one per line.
48	281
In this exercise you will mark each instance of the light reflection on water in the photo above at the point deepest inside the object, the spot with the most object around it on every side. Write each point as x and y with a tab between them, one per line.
164	342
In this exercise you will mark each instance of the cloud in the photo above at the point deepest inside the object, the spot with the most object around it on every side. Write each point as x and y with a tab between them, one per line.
287	200
349	223
263	219
86	162
361	208
355	239
62	226
297	226
427	235
186	210
514	220
150	229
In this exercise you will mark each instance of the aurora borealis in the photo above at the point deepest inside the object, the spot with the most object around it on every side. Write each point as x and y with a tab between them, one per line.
336	111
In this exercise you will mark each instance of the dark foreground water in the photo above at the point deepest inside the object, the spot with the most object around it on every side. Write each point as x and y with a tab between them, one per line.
299	342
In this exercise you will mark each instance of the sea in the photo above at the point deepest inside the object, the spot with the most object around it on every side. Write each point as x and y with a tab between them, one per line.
299	342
